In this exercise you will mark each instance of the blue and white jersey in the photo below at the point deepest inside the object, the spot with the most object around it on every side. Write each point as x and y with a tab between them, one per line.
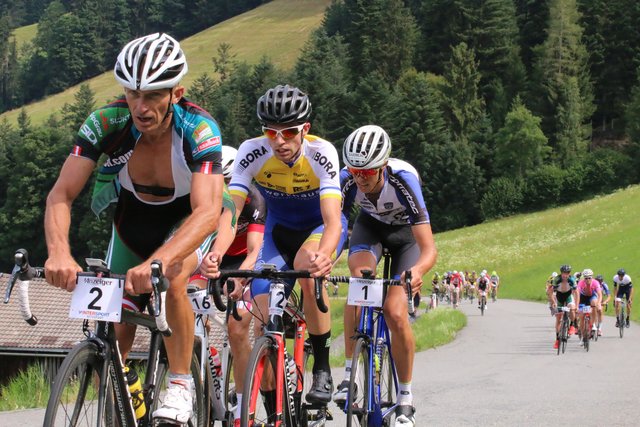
399	203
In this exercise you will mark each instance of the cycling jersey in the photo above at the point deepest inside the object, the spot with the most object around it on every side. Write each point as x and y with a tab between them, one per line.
400	201
139	226
560	286
292	192
625	281
588	289
605	288
251	219
483	282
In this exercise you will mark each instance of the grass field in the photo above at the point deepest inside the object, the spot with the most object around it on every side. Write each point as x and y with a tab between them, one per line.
24	34
601	234
278	30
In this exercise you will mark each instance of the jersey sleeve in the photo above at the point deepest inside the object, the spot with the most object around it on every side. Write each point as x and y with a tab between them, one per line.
245	167
349	189
325	164
409	190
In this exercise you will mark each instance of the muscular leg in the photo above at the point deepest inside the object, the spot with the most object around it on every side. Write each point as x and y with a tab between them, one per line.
403	344
240	346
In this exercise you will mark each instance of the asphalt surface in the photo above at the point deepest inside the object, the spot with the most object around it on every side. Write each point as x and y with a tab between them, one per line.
501	370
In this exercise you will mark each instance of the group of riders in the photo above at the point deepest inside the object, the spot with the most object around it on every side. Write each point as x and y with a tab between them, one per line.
454	285
586	289
200	207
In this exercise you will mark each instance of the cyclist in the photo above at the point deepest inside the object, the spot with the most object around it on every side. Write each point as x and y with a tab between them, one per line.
298	176
495	281
606	293
623	288
549	290
564	293
163	171
393	215
483	284
590	293
457	281
240	249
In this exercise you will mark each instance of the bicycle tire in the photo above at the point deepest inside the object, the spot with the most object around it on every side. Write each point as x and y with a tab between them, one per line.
387	384
78	376
230	392
200	417
307	380
483	302
586	332
621	321
359	383
564	331
255	411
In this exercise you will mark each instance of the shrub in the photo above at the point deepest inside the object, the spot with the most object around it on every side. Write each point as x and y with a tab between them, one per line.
503	197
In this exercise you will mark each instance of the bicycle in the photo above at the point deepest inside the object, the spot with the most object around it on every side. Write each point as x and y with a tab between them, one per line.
270	361
493	291
215	366
586	325
620	318
564	327
91	388
483	301
374	378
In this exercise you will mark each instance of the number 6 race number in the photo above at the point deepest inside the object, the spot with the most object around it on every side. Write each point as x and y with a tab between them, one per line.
97	298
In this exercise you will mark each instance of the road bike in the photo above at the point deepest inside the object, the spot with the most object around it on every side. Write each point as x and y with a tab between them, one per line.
483	301
563	336
91	387
620	318
270	364
586	333
494	287
215	364
374	379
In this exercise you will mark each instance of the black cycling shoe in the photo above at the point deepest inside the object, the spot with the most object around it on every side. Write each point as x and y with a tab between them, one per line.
342	391
321	389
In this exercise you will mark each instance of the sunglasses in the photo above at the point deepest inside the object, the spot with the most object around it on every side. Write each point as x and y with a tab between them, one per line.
287	133
363	173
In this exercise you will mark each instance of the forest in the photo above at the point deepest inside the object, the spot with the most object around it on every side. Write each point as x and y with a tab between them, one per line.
503	106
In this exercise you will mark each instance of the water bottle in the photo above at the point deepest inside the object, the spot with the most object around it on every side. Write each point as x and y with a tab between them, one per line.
135	389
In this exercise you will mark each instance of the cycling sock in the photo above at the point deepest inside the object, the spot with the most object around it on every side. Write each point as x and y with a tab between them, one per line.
347	369
405	397
238	408
321	345
185	380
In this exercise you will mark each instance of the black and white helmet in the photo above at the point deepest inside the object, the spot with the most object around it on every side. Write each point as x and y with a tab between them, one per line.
368	147
151	62
284	104
228	156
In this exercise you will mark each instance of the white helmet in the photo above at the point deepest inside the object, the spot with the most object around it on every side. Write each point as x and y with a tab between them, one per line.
228	156
368	147
151	62
587	273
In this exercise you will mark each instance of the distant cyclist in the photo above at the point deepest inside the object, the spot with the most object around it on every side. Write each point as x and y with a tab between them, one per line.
564	293
457	281
392	215
495	282
483	284
606	294
549	289
590	293
623	288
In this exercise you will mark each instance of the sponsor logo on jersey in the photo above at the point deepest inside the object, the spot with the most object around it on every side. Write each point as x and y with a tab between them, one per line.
211	142
388	205
96	123
88	133
117	161
105	120
202	133
252	156
77	150
325	163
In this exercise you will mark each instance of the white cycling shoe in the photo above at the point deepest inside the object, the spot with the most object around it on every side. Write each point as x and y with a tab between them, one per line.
405	416
177	406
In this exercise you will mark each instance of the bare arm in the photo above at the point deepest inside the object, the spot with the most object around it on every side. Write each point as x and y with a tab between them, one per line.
428	254
60	267
320	264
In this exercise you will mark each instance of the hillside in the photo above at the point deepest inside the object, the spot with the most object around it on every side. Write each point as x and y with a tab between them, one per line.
25	34
601	234
277	29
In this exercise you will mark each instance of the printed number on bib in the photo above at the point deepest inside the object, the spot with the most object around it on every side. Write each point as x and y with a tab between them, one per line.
586	309
97	298
277	299
201	302
365	292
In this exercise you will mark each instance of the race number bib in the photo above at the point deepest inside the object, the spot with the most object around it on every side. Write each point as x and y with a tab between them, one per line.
585	309
201	302
97	298
277	299
365	292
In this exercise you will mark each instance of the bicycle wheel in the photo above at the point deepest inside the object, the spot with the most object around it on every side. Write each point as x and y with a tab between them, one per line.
621	321
483	302
74	394
259	408
358	398
230	391
385	379
200	416
586	332
564	332
307	380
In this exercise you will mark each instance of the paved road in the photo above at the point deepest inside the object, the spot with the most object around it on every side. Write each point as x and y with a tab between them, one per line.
502	371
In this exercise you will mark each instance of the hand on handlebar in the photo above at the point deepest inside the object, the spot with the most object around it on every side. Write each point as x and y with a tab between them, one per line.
238	289
416	281
319	264
61	271
210	266
137	281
